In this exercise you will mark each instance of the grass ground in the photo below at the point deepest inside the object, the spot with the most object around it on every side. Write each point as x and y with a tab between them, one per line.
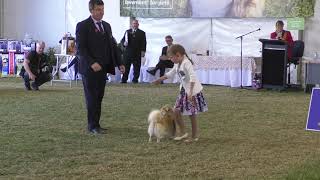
245	135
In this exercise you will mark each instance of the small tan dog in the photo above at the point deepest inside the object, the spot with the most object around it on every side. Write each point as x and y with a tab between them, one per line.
161	123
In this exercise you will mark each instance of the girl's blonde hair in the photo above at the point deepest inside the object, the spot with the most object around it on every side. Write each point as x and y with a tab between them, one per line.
177	48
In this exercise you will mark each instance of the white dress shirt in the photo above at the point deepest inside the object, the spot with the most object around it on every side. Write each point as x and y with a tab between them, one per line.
97	26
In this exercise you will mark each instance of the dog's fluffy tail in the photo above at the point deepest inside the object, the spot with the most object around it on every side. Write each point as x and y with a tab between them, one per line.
152	120
153	116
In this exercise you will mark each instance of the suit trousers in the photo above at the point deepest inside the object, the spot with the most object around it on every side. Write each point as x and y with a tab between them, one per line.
136	70
94	85
162	65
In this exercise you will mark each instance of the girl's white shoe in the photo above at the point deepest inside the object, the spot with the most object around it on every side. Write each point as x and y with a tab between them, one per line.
179	138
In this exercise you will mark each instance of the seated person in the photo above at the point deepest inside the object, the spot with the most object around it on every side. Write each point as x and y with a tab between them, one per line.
74	62
75	59
281	34
33	64
164	61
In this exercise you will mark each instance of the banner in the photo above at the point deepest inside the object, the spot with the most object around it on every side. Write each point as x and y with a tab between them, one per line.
19	63
313	122
217	8
296	23
12	64
5	65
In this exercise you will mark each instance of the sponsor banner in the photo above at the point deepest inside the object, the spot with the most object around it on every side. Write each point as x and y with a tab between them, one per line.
5	65
0	64
313	121
217	8
296	23
11	65
19	63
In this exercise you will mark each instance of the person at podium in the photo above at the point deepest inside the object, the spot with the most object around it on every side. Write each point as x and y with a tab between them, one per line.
283	35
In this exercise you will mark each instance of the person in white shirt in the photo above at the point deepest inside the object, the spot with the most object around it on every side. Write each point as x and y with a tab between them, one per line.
190	100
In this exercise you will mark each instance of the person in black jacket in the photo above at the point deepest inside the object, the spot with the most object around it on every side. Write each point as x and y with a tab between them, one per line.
96	49
33	64
134	41
164	61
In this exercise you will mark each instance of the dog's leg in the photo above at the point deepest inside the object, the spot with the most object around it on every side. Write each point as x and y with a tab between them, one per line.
150	139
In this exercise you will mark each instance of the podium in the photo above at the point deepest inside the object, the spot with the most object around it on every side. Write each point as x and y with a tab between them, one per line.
274	63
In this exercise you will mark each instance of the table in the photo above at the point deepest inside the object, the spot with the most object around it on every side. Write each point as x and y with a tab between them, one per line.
224	70
59	59
215	70
311	72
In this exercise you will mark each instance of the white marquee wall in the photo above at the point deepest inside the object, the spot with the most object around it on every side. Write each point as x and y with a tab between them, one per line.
43	19
77	10
311	33
48	20
195	35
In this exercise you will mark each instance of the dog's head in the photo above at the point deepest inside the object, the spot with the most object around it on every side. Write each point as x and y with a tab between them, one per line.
167	112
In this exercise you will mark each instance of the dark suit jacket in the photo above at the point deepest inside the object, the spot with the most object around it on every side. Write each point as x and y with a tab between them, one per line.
136	44
96	47
164	51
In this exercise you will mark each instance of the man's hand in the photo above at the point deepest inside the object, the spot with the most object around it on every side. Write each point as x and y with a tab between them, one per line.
32	76
143	53
122	69
96	67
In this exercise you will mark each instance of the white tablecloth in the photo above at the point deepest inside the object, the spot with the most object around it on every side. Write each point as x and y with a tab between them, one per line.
215	70
224	70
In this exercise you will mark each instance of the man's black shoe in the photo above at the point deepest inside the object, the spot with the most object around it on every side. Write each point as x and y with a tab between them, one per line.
123	82
135	81
34	86
152	72
102	130
94	131
27	87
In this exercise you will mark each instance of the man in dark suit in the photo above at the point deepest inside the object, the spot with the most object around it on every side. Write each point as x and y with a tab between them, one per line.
96	49
164	61
135	44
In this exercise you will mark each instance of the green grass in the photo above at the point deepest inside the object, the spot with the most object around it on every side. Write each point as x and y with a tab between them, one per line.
245	135
308	171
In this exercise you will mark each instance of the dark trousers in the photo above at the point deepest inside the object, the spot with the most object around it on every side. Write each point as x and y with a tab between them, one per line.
136	70
94	84
162	65
41	78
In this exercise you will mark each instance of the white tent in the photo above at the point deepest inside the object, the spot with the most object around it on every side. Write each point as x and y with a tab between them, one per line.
49	20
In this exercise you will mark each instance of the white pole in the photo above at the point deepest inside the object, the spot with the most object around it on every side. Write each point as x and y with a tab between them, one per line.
65	16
